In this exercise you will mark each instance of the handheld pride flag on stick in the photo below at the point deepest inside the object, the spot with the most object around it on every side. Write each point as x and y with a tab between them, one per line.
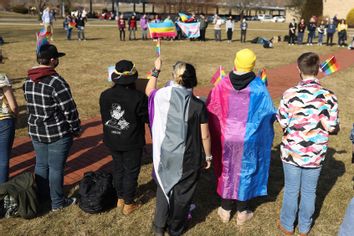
263	76
184	17
42	38
158	48
218	76
330	66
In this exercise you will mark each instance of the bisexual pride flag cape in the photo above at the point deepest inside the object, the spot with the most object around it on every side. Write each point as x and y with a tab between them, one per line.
191	30
241	128
162	29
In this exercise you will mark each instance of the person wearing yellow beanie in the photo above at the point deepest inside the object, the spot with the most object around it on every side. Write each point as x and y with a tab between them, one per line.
245	60
237	135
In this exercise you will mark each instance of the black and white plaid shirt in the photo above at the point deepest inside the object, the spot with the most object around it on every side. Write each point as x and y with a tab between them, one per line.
51	109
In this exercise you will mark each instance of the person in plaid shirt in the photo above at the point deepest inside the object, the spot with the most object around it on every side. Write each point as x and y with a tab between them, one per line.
53	121
308	113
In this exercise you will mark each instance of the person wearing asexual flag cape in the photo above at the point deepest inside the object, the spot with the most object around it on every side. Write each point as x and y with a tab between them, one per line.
241	116
181	145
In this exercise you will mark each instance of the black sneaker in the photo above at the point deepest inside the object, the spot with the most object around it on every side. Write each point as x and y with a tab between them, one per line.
67	202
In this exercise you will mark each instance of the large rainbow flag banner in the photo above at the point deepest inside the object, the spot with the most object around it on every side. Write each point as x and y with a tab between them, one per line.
242	137
330	66
218	76
162	29
184	17
191	30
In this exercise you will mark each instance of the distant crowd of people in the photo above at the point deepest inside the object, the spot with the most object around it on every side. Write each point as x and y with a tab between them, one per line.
323	28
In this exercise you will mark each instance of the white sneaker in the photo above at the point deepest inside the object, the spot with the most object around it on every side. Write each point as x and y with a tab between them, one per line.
243	217
224	215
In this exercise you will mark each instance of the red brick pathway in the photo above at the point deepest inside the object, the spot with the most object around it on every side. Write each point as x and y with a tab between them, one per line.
89	153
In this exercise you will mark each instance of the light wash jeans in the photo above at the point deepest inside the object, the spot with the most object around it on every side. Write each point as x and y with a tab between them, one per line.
347	227
303	182
49	169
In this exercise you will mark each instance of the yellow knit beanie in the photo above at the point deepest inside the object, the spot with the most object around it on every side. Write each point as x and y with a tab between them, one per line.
245	60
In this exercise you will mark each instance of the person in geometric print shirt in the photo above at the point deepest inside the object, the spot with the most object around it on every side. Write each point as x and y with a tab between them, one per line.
308	114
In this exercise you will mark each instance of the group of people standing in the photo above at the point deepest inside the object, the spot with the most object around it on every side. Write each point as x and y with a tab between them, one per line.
230	27
328	27
232	129
76	20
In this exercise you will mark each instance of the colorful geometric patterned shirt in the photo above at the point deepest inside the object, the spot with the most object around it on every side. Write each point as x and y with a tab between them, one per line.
307	113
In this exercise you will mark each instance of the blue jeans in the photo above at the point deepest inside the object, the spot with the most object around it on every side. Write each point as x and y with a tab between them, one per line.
7	135
303	182
49	169
310	37
320	38
68	33
300	38
347	227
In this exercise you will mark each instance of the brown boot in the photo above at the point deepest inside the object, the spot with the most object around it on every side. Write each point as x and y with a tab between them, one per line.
129	208
120	203
284	231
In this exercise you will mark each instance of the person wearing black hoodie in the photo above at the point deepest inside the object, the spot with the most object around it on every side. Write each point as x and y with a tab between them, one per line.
241	114
124	112
53	121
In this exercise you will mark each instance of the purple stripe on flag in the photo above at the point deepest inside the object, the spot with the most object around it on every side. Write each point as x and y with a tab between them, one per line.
152	107
235	131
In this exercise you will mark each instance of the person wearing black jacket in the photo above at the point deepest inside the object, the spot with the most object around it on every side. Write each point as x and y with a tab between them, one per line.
301	31
80	24
124	112
292	30
312	30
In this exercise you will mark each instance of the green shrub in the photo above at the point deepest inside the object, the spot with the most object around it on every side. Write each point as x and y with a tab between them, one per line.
350	18
20	9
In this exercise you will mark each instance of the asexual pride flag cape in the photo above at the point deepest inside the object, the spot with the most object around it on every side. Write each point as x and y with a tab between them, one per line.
168	114
241	128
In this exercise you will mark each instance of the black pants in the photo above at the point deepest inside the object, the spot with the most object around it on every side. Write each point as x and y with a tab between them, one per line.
125	174
202	35
229	34
243	36
228	204
174	215
291	38
329	39
122	35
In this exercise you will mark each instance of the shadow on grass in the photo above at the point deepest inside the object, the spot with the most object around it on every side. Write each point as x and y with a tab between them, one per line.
332	169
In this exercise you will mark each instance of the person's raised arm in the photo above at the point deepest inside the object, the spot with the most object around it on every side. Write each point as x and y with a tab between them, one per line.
10	97
152	84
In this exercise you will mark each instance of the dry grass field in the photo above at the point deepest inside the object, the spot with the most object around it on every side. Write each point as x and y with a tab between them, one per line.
85	68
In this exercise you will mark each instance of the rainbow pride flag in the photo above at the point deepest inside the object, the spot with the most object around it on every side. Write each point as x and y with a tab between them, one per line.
330	66
162	29
263	76
184	17
42	38
218	76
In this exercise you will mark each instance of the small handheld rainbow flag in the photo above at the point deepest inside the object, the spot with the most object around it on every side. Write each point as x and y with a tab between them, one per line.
158	48
184	17
330	66
218	76
263	76
42	38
